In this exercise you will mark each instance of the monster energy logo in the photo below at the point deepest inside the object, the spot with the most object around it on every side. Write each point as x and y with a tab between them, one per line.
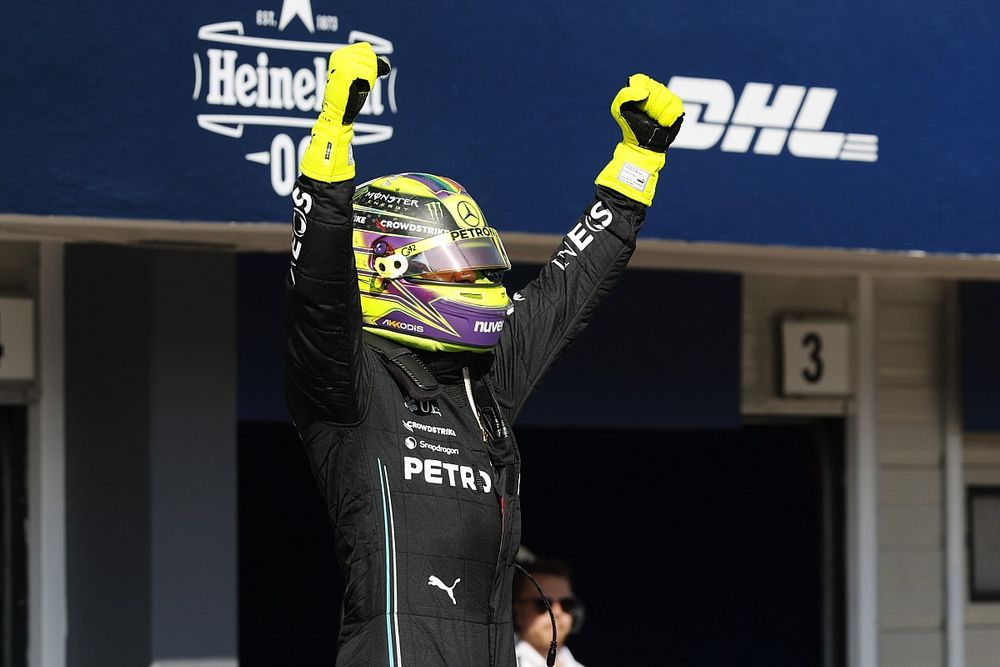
435	210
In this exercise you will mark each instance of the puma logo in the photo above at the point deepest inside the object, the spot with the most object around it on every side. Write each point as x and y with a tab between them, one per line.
437	583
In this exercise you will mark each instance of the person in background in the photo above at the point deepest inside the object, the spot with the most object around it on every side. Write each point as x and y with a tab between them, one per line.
531	618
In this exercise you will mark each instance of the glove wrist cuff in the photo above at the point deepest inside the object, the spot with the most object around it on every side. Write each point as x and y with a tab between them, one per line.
329	157
633	172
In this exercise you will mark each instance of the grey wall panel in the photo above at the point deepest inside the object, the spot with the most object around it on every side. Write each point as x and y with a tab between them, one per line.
150	456
193	454
107	457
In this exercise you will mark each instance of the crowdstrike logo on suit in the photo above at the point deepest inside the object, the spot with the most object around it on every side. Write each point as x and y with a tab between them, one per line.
411	426
765	121
264	76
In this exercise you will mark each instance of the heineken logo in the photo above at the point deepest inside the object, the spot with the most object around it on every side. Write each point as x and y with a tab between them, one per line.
262	84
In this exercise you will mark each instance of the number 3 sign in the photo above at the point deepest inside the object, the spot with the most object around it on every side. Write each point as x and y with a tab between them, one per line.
815	357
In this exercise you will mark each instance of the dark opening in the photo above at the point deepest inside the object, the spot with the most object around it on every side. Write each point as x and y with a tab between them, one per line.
13	538
289	585
695	548
983	538
689	548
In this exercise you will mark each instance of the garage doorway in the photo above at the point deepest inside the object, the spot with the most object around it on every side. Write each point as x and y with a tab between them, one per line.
689	547
13	538
696	548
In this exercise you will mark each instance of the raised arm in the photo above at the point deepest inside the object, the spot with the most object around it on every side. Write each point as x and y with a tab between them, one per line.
557	305
324	373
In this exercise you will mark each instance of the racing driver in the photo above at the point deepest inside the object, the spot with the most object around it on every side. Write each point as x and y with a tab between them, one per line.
406	363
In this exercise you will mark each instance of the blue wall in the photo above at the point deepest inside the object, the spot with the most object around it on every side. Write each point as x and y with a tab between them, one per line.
102	107
689	336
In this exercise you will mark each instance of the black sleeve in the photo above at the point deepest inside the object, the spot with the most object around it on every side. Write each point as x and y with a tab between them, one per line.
325	376
553	308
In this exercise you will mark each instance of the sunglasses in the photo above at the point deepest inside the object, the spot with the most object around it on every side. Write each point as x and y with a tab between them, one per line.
569	604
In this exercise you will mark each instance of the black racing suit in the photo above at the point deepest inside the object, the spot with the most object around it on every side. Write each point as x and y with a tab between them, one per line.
421	483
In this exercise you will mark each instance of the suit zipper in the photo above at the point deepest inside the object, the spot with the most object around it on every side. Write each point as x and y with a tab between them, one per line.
503	504
472	401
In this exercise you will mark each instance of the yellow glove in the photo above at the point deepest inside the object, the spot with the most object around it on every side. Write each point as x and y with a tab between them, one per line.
650	117
352	73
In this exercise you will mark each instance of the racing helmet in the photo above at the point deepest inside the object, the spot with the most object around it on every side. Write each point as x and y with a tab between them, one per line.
412	232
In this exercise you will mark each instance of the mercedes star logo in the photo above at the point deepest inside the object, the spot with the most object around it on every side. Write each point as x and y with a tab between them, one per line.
470	215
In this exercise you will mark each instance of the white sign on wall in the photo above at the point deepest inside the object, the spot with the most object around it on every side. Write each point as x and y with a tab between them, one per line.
816	357
17	339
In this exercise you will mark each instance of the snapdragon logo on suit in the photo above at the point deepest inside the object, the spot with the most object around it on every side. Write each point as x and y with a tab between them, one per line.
261	83
765	121
412	443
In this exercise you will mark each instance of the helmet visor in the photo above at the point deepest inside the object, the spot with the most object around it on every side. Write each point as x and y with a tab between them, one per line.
458	250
